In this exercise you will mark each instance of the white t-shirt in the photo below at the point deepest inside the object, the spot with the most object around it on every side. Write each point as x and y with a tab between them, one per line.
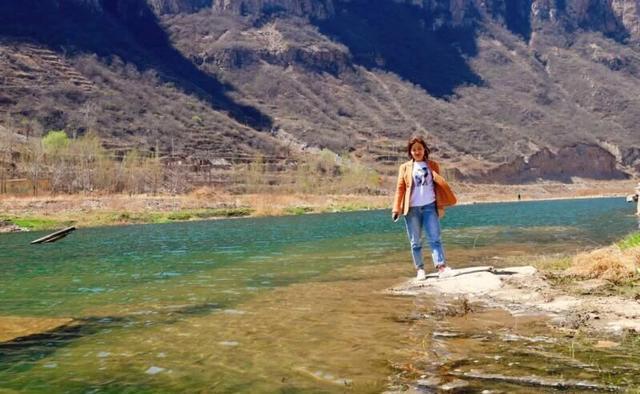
422	192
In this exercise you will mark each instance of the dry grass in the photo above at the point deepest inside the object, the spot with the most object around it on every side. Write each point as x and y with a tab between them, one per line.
48	212
282	204
610	263
206	193
470	193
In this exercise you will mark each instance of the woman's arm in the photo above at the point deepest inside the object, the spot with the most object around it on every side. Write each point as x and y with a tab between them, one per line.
401	188
435	167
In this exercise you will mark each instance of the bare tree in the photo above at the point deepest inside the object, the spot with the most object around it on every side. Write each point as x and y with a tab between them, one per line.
5	158
33	161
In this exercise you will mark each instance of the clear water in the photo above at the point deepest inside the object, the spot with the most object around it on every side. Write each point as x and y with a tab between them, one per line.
288	304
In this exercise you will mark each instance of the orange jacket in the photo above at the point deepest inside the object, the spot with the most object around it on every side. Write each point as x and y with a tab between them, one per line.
444	194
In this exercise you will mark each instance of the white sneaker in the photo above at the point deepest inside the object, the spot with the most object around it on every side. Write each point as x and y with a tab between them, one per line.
421	275
445	272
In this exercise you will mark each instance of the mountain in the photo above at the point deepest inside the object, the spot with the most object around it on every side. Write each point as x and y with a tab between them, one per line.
504	90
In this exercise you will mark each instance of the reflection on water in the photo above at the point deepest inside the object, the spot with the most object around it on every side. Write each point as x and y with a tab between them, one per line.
276	304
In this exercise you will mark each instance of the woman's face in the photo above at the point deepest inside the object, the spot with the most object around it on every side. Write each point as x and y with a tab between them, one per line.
417	151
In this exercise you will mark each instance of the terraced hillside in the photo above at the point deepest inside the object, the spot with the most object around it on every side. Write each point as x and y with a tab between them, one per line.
504	91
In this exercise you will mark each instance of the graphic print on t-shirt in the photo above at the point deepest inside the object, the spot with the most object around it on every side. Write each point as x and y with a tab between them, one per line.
422	191
421	176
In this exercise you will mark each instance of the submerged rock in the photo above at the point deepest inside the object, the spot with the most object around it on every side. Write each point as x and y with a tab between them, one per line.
154	370
532	380
454	386
432	382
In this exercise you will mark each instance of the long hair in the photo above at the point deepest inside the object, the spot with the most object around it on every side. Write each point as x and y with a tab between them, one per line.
418	140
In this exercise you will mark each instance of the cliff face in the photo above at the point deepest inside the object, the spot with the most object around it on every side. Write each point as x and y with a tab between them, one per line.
584	161
618	18
178	6
628	11
306	8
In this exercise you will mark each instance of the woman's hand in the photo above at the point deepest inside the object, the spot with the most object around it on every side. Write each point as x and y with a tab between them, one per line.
395	216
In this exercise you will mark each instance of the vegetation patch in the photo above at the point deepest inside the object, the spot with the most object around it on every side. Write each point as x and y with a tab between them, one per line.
298	210
351	207
232	212
180	216
208	214
611	263
553	264
37	224
630	241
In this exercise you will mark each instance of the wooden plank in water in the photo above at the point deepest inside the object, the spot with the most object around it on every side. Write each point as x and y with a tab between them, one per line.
53	237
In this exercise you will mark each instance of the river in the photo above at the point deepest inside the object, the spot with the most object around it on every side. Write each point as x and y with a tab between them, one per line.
290	304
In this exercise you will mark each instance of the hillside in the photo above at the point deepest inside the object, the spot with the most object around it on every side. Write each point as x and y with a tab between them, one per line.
507	91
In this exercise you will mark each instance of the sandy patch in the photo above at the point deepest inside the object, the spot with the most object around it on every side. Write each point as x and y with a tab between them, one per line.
12	327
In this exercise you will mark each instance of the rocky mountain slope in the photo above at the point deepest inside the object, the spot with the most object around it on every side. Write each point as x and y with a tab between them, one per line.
505	90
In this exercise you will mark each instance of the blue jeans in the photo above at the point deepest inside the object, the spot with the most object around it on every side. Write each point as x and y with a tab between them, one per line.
425	217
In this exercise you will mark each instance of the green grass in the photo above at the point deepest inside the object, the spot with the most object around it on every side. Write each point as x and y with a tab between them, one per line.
349	207
204	214
179	216
37	224
630	241
298	210
110	218
627	288
166	217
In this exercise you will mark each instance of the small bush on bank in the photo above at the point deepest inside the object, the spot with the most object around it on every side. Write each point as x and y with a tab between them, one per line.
612	263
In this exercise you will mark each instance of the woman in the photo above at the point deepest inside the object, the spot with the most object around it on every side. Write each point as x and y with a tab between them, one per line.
421	195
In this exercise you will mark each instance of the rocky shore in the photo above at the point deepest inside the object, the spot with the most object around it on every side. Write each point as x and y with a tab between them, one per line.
525	291
8	227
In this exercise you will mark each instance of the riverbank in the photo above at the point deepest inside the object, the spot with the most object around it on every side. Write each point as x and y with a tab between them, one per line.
52	212
568	323
594	292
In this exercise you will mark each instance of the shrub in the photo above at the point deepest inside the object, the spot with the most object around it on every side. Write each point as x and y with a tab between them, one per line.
611	263
55	142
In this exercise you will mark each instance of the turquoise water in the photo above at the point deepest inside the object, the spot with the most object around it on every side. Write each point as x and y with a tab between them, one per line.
173	307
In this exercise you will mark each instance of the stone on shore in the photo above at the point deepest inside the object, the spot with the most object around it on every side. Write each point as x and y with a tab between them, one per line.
472	280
